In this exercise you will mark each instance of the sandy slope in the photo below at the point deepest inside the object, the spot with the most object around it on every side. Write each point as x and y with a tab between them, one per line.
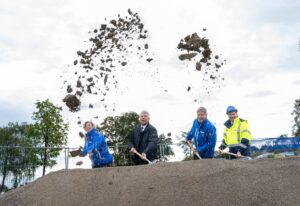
205	182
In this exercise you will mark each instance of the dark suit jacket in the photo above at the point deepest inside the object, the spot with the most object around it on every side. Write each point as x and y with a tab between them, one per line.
144	142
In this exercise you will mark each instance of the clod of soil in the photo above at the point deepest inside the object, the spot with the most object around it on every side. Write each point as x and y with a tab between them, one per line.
81	135
198	66
75	153
79	163
72	102
187	56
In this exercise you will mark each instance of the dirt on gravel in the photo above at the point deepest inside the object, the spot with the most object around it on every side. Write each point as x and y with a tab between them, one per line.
203	182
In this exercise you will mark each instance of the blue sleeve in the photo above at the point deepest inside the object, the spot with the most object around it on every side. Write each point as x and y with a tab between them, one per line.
89	146
212	139
189	135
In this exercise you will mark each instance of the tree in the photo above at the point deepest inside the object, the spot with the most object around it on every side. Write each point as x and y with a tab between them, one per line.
48	132
296	113
117	129
165	149
14	160
186	149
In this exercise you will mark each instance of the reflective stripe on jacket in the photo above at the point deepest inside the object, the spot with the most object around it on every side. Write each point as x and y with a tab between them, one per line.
236	134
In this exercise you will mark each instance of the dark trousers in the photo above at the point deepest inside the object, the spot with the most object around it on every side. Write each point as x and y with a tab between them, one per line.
195	157
139	161
243	151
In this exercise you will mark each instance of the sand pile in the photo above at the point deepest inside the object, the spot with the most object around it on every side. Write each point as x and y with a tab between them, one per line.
205	182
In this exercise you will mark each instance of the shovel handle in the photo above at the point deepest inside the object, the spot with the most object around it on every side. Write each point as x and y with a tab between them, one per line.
141	156
233	154
194	151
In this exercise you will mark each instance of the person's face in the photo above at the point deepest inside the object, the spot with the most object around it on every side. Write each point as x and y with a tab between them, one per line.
88	126
144	118
232	115
201	116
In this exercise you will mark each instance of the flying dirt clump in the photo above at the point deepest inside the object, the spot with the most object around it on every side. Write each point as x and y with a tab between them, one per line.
111	47
195	43
81	135
72	102
193	47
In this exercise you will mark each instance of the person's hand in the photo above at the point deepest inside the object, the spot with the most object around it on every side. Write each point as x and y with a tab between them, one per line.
90	153
132	150
238	154
219	152
144	155
194	150
188	143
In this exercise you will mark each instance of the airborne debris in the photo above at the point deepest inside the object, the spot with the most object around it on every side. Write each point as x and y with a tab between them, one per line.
79	163
81	135
198	49
187	56
108	52
72	102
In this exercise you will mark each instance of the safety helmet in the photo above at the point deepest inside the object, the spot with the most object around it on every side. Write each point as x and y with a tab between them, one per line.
231	109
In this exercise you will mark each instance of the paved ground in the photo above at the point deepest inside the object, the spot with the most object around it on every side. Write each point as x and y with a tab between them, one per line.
205	182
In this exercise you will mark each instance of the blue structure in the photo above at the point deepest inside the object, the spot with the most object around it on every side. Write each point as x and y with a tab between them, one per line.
285	144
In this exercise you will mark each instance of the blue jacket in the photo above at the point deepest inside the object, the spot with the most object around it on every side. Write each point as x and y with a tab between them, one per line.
95	143
204	136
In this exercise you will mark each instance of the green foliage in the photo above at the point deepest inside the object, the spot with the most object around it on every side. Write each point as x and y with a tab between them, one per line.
296	113
48	130
186	149
14	160
165	149
116	131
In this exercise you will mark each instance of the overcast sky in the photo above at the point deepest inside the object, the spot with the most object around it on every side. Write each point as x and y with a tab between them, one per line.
259	39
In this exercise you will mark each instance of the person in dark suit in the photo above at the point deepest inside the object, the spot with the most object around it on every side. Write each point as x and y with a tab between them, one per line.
143	139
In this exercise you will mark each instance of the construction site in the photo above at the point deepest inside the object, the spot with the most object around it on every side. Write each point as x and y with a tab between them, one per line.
131	103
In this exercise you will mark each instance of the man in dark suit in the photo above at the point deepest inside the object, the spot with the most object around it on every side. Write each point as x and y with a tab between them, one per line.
143	139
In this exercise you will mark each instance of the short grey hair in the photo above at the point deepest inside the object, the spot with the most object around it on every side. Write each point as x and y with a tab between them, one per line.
202	109
145	112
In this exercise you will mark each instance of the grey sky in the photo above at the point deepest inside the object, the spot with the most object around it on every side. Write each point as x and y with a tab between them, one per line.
260	40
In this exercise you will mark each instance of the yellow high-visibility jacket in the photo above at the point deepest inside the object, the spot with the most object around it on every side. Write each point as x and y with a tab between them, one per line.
236	134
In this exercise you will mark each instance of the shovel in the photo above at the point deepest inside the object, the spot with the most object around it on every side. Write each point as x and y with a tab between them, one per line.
142	157
233	154
75	153
194	151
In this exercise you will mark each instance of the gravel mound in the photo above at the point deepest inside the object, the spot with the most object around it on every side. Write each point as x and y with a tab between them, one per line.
205	182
